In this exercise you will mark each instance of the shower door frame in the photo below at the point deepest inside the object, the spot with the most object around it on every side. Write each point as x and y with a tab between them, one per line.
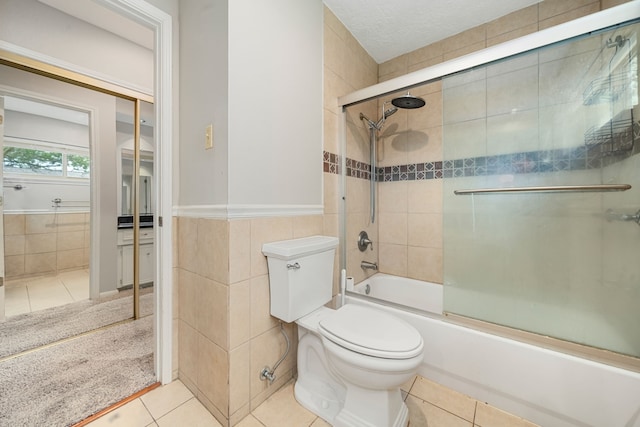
606	19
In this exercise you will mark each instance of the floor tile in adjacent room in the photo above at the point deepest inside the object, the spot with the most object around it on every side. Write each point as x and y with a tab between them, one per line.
45	296
16	301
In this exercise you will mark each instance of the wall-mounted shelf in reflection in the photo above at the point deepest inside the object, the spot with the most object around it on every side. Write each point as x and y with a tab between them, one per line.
549	189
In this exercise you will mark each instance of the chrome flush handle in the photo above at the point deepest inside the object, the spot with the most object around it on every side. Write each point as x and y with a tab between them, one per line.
295	266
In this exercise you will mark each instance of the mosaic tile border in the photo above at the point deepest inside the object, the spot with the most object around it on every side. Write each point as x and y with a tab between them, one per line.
617	147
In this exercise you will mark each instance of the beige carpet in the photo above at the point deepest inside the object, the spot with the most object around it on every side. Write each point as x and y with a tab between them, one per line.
32	330
65	383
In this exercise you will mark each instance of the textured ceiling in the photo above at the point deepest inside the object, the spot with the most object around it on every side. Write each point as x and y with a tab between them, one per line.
385	28
389	28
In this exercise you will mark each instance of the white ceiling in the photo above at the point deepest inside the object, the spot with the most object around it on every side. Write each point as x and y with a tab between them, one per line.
389	28
385	28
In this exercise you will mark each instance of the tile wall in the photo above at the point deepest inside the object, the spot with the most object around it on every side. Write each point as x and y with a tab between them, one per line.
37	244
409	231
226	334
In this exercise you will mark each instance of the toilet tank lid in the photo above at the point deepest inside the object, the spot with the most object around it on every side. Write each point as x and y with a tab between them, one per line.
294	248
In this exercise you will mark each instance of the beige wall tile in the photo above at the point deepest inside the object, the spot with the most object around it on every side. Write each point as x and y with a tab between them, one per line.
513	21
14	224
211	310
425	264
331	193
14	265
73	258
70	240
265	230
239	377
392	228
213	249
393	259
175	238
14	245
307	225
425	230
464	40
426	53
511	35
188	297
40	263
239	313
550	9
266	349
187	247
425	196
188	355
239	250
605	4
261	319
213	374
70	222
40	243
331	134
588	9
392	197
175	350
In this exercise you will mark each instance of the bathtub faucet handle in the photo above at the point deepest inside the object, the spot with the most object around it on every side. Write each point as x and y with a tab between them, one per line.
363	241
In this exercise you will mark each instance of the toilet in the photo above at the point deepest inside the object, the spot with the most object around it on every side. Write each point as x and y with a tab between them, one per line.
351	361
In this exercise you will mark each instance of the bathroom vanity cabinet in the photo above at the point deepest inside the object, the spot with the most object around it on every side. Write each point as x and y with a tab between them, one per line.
125	256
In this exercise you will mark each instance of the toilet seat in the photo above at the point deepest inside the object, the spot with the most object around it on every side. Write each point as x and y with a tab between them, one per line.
371	332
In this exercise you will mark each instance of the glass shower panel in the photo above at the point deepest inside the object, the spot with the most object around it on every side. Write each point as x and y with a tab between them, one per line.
559	262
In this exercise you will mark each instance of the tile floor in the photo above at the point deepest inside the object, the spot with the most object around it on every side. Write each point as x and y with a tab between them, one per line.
174	405
37	293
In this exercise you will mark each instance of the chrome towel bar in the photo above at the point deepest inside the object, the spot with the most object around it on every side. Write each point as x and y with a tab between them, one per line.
549	189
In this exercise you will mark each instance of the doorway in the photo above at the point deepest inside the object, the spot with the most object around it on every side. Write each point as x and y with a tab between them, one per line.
46	209
63	145
161	25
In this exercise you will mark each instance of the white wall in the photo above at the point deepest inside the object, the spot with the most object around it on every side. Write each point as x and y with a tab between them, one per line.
254	70
40	28
275	102
203	101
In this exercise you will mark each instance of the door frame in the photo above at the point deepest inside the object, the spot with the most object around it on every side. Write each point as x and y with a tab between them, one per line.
150	16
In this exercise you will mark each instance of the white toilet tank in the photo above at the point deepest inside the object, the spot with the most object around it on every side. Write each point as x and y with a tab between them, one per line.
300	275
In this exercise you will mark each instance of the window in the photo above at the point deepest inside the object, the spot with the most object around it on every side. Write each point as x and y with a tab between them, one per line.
43	161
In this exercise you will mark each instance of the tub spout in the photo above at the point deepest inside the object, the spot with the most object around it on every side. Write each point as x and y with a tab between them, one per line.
366	265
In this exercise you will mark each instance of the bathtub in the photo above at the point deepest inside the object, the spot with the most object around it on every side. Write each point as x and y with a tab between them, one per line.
544	386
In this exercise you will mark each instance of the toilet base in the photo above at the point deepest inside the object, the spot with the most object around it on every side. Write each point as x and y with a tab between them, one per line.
372	408
318	398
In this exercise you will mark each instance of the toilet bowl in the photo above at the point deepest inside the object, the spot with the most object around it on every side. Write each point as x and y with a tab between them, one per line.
351	361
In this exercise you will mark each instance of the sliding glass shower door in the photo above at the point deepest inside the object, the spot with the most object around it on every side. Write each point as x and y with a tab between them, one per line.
542	191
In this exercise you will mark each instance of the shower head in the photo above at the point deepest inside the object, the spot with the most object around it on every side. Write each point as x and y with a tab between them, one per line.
408	101
389	112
